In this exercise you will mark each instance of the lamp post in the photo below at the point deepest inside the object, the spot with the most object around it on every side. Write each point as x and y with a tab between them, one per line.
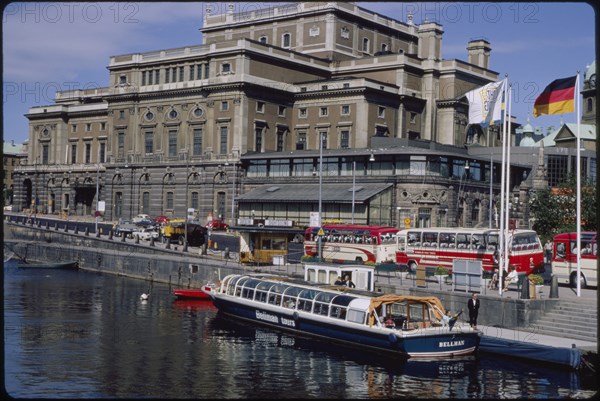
97	194
320	245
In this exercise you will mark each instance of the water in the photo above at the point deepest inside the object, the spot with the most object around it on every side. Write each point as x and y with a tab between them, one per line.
76	334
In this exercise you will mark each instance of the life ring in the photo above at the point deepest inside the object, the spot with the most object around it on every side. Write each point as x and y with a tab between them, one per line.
392	337
295	316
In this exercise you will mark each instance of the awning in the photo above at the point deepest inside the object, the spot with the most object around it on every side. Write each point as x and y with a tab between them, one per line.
330	193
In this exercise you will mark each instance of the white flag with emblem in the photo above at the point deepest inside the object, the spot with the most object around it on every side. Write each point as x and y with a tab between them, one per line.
485	103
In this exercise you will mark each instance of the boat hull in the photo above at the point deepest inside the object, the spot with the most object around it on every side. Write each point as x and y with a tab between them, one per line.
192	294
432	343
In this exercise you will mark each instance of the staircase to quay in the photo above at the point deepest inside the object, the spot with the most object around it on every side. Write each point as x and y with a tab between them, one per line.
570	319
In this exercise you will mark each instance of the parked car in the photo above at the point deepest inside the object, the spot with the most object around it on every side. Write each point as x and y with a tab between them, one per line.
161	219
217	225
146	233
127	227
141	218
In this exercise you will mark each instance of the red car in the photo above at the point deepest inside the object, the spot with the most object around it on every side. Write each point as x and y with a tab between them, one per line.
217	225
161	219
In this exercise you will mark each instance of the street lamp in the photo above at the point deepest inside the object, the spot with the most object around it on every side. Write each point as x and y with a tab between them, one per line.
233	193
97	194
320	246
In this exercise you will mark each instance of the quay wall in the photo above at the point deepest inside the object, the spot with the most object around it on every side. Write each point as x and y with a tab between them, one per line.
142	261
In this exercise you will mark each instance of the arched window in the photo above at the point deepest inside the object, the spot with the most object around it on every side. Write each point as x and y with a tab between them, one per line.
590	105
365	45
263	39
286	40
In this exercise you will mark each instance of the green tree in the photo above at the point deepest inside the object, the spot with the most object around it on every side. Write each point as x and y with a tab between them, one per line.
556	211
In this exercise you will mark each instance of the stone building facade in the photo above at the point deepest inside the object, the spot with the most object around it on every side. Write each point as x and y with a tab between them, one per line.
305	94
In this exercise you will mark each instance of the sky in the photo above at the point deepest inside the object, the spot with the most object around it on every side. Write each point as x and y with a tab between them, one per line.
63	46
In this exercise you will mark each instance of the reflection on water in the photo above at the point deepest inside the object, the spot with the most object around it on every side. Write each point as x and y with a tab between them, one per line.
81	334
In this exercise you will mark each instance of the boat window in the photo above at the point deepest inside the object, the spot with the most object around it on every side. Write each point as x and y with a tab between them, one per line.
343	300
322	301
290	297
264	285
305	299
240	283
231	285
248	290
260	296
356	316
275	294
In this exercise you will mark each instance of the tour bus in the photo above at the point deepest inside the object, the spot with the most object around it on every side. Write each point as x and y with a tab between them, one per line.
341	243
441	246
564	259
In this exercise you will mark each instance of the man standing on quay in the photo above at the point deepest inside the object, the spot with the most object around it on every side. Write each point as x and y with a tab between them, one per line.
473	306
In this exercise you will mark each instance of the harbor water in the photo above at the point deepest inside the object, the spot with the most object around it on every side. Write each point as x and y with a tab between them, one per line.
77	334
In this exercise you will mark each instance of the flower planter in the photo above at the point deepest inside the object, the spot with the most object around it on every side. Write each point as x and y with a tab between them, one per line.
441	278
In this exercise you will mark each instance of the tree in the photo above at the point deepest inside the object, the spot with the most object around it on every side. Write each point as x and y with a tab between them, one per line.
555	209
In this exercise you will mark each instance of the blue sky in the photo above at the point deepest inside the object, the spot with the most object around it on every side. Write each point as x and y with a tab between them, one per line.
50	46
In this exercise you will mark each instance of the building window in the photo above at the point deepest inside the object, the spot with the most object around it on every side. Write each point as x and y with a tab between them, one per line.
169	201
345	139
381	131
224	105
225	68
365	45
323	111
194	202
197	146
302	113
286	40
88	127
280	139
149	142
180	74
174	74
122	80
102	126
167	75
323	137
475	213
424	220
45	154
149	116
198	112
146	203
199	71
323	87
263	39
381	112
223	140
260	107
384	47
345	109
121	145
281	111
590	105
73	153
150	76
258	132
346	85
157	77
88	152
301	141
172	143
143	78
173	114
74	128
206	70
413	118
102	156
192	72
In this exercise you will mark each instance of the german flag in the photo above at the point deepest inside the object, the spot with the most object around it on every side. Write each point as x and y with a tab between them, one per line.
557	98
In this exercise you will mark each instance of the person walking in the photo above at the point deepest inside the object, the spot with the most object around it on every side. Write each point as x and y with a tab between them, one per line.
473	306
548	251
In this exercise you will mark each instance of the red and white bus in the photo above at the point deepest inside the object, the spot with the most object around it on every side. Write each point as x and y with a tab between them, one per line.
355	243
564	259
434	247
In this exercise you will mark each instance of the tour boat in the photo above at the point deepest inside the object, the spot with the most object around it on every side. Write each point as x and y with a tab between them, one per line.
410	326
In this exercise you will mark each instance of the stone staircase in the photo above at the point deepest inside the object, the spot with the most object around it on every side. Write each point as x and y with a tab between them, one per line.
571	320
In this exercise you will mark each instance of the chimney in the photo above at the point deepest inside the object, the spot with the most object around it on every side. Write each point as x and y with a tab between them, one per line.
479	53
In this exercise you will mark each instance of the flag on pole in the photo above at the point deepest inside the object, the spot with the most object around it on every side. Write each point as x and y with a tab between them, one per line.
557	98
485	103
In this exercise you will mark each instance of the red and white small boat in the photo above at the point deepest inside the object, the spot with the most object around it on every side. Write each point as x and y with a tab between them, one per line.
193	293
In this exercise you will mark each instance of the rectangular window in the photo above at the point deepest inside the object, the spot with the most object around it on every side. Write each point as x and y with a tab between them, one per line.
345	139
381	112
413	117
194	203
157	76
102	156
199	71
102	126
143	78
149	142
172	143
197	151
121	114
174	74
302	113
345	109
224	105
181	74
73	153
74	128
206	70
192	72
88	152
170	200
281	111
324	112
45	154
225	68
260	107
121	145
258	130
167	75
280	139
88	127
150	76
146	203
301	142
223	141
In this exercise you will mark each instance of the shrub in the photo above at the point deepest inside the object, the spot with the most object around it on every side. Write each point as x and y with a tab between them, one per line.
369	263
306	258
536	279
441	271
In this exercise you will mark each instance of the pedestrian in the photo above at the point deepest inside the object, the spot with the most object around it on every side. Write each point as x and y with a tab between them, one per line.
339	281
548	251
473	306
348	282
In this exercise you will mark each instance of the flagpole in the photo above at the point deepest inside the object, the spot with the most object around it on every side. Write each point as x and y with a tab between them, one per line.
502	179
578	186
507	191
